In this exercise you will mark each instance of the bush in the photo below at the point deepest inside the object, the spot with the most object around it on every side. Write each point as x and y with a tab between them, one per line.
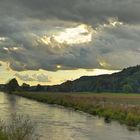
132	120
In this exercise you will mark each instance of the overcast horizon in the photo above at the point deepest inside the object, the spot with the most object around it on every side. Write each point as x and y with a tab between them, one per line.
52	41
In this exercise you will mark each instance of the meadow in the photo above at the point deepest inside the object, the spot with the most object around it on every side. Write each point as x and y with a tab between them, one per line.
124	108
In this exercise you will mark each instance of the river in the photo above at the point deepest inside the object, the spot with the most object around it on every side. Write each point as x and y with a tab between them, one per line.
58	123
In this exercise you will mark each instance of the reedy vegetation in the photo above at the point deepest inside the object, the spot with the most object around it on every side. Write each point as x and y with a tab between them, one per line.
19	128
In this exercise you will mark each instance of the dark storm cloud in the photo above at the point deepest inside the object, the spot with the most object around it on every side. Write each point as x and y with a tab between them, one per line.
23	22
92	11
89	11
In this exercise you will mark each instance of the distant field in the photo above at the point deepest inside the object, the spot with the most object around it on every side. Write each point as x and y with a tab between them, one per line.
133	99
122	107
117	98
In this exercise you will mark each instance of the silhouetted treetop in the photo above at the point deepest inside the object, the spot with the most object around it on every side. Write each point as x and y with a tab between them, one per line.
12	85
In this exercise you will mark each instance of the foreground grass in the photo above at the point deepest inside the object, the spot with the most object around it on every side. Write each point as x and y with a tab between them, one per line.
124	108
20	128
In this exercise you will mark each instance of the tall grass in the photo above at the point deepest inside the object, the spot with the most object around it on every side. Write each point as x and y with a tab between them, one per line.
19	128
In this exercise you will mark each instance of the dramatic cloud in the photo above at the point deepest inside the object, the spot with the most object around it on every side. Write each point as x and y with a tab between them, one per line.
87	11
34	77
69	34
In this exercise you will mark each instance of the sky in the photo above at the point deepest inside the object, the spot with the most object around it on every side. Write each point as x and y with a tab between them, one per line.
51	41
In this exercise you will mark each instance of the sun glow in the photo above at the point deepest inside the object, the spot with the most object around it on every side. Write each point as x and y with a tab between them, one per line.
70	36
58	66
77	35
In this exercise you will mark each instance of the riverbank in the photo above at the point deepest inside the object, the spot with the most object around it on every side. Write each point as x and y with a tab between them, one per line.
19	128
125	108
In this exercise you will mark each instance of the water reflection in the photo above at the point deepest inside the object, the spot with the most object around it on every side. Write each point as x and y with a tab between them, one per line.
58	123
12	100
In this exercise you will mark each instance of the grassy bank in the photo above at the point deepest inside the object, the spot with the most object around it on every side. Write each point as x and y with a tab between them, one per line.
124	108
19	128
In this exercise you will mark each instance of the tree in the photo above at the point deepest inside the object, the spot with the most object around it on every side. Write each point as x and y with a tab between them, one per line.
127	88
39	88
12	86
25	86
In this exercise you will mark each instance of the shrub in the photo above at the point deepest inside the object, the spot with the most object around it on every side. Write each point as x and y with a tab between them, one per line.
132	120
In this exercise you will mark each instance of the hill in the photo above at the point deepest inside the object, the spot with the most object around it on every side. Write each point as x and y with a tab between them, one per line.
128	80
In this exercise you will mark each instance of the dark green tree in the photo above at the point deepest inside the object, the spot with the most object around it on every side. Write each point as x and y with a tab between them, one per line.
12	86
25	86
127	88
39	88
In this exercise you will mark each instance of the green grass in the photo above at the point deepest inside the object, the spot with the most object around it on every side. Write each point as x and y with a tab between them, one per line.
125	108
